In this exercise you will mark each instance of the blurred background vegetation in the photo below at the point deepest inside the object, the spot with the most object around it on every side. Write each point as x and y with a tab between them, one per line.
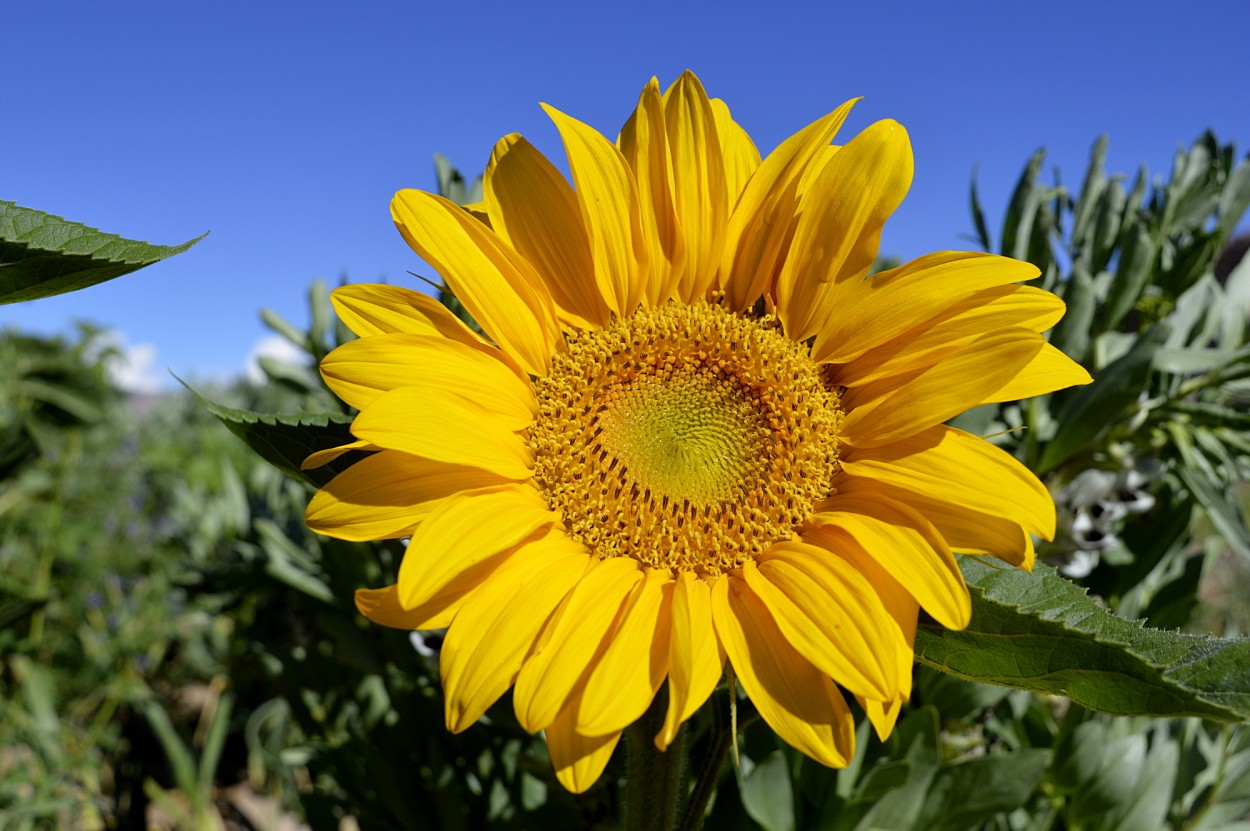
178	651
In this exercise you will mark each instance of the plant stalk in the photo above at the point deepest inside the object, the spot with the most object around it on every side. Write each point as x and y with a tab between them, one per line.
653	784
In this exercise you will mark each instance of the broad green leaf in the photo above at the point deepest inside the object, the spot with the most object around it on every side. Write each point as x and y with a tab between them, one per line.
767	793
1036	631
1096	406
964	795
42	255
286	439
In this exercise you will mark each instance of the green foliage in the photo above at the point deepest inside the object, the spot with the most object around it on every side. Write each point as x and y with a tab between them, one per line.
1039	632
42	255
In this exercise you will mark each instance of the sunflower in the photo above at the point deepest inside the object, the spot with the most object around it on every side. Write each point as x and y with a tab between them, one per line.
696	432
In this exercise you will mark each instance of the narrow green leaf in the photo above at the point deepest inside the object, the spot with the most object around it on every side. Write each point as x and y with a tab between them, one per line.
1091	193
1096	406
1072	334
285	440
978	215
1137	255
42	255
1018	224
1036	631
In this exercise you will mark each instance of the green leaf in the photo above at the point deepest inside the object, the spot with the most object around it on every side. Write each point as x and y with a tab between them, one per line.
964	795
286	439
978	215
1091	192
1137	255
1096	406
1036	631
767	793
42	255
1071	334
1018	224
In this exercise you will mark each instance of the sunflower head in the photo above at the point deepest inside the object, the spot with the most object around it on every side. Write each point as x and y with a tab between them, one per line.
697	431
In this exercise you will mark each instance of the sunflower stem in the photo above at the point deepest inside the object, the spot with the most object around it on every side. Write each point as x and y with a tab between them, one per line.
709	773
653	783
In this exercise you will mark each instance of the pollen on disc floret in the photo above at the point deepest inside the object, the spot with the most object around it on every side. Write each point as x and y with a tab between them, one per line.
686	436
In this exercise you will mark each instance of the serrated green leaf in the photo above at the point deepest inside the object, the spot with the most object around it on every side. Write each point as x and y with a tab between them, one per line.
1036	631
42	255
285	440
1096	406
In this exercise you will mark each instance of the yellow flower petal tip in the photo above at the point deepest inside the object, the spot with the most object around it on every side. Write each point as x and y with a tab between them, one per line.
692	431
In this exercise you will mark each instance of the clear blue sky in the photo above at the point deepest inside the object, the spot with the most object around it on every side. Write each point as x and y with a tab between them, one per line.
284	128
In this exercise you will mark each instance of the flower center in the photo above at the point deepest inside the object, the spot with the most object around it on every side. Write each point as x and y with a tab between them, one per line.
686	437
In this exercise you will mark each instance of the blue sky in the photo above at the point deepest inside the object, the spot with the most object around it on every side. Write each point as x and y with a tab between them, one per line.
285	128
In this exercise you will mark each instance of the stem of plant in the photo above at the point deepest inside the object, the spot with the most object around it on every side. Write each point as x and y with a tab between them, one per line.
709	772
653	783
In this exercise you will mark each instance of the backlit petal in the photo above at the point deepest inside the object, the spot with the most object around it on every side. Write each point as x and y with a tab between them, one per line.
1049	370
467	533
498	286
385	495
737	151
535	210
382	606
695	660
620	687
496	627
610	211
438	424
644	145
889	304
361	370
830	614
761	223
578	760
949	464
590	613
795	698
886	412
839	230
907	546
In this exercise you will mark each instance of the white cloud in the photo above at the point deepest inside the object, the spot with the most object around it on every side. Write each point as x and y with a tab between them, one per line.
132	367
276	347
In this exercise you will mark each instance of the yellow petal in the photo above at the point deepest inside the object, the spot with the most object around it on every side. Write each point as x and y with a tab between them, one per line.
889	304
385	495
795	698
695	660
837	235
361	370
950	329
590	613
534	209
468	530
761	222
498	286
610	211
965	530
495	629
324	457
372	309
624	681
738	152
954	466
830	614
578	760
382	606
899	603
1050	370
907	546
881	715
644	145
438	424
886	411
701	195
